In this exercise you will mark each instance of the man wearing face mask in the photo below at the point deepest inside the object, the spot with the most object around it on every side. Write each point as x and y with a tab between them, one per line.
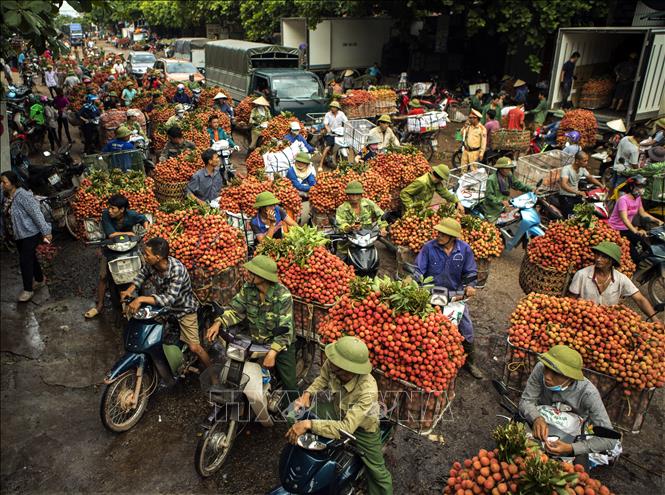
557	380
450	262
267	307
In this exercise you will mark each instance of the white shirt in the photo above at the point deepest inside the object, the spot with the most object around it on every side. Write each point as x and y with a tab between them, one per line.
584	286
51	78
119	68
335	121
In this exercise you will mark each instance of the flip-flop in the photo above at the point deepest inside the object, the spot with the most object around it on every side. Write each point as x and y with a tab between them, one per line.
91	313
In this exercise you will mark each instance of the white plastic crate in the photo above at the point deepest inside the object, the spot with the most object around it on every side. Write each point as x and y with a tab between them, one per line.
241	222
545	167
427	122
356	132
125	269
470	186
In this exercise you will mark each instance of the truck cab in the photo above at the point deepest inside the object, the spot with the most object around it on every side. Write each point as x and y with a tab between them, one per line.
246	68
289	90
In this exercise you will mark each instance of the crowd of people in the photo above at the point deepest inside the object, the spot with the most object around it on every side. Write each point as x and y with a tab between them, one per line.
267	305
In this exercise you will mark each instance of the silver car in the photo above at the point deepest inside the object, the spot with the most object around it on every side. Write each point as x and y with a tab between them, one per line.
139	62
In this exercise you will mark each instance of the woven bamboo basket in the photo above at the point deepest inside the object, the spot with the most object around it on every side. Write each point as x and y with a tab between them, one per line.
483	265
594	102
511	139
410	406
536	278
220	287
169	191
307	316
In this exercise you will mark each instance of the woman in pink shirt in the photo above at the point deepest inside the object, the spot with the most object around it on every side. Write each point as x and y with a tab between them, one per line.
627	206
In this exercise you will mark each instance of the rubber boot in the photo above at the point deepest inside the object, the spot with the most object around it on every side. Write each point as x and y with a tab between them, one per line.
470	358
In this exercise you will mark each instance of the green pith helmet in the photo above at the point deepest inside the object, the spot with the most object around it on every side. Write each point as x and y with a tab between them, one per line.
563	360
415	103
449	226
354	187
441	171
350	354
263	266
610	249
303	157
505	162
266	198
385	118
122	132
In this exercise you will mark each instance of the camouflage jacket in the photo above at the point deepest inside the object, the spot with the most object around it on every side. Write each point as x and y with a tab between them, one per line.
263	318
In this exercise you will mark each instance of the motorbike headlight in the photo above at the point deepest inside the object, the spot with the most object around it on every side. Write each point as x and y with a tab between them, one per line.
122	246
235	352
146	313
309	441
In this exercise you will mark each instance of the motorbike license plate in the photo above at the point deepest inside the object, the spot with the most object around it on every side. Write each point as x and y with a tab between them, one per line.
435	143
54	179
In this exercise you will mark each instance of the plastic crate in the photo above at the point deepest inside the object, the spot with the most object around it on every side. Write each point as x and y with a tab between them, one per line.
241	222
545	167
125	269
356	133
307	317
627	412
470	186
427	122
117	159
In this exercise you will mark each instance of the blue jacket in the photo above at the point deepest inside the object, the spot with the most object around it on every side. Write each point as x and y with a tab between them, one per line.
122	161
292	139
301	185
181	98
89	111
447	270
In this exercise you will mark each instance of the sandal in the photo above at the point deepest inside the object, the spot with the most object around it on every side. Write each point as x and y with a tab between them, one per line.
91	313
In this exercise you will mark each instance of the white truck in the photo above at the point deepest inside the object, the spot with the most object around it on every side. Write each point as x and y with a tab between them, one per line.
601	49
338	43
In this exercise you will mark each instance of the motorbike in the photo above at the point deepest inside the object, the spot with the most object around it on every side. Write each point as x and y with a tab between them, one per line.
651	268
537	144
560	431
196	97
522	223
340	151
319	465
143	145
17	95
241	390
362	254
58	212
152	353
605	153
226	168
30	138
596	196
61	174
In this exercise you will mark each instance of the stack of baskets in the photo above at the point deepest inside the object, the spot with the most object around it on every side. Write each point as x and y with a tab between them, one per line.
169	191
596	93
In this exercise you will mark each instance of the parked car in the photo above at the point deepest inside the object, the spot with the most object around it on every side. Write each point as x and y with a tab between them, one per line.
138	63
178	70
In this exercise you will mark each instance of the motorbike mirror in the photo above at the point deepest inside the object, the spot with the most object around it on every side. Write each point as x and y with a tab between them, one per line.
539	183
348	436
659	307
47	154
500	387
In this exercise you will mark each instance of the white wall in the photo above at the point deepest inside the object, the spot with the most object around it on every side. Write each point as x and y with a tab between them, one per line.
294	32
320	44
651	98
358	42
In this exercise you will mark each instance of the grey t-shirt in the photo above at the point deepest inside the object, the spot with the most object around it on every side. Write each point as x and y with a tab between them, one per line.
573	178
627	154
204	186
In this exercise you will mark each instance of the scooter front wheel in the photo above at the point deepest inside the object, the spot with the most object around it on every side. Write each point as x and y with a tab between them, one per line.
116	406
656	290
214	447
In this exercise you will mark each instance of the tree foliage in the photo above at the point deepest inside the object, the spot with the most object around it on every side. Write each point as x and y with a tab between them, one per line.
36	21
